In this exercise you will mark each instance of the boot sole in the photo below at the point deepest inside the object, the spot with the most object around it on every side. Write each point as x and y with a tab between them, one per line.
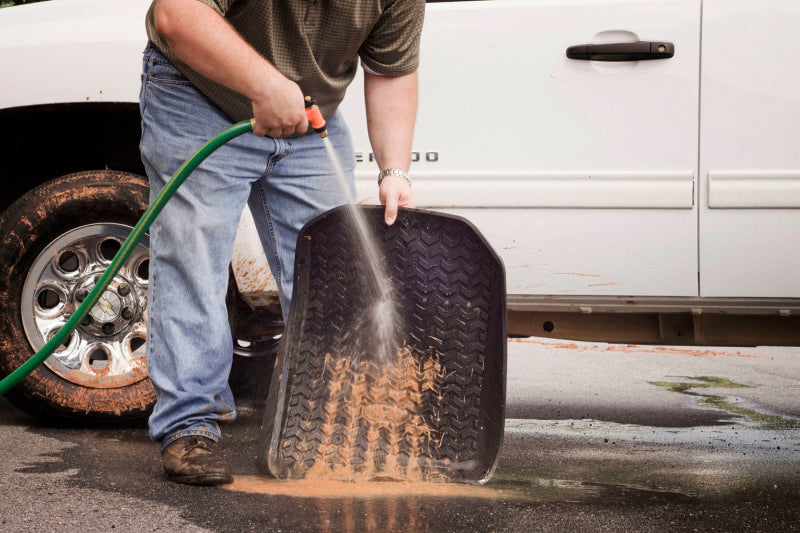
203	480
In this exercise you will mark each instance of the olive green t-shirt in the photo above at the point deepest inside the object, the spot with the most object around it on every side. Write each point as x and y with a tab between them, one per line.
315	43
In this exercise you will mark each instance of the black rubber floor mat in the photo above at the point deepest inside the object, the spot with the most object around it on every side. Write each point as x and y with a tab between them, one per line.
432	411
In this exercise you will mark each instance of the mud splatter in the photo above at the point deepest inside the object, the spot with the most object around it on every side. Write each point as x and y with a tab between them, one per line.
252	275
364	490
373	425
373	421
634	348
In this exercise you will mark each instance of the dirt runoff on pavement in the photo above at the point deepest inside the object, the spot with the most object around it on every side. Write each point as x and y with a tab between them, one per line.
315	488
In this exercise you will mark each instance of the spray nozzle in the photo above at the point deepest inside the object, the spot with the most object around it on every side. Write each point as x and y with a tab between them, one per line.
315	117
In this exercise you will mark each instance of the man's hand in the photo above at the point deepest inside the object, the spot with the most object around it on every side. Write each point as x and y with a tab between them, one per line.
279	108
394	192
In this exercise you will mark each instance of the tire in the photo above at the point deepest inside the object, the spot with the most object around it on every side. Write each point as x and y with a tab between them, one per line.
256	339
54	241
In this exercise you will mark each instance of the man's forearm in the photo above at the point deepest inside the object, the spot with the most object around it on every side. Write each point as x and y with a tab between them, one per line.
391	112
391	104
208	44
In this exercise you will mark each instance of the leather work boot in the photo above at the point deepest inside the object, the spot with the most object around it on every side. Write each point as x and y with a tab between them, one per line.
194	460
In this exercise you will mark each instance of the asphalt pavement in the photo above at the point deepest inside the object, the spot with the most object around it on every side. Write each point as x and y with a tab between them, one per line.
598	437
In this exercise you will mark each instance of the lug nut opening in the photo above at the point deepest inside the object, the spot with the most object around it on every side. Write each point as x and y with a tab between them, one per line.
143	270
48	299
109	248
61	347
137	343
68	262
98	359
108	328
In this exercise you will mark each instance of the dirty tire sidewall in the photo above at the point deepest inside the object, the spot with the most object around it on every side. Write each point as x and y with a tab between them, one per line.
26	228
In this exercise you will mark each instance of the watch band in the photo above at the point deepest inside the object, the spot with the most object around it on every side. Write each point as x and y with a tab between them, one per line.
393	172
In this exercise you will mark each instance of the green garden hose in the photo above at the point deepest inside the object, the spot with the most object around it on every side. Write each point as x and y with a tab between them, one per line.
125	251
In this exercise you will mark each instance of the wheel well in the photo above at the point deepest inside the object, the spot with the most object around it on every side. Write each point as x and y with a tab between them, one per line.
46	141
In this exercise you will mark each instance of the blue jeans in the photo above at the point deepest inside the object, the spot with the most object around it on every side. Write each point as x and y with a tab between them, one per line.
286	182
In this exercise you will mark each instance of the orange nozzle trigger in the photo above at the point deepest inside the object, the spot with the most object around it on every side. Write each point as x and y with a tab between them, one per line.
314	116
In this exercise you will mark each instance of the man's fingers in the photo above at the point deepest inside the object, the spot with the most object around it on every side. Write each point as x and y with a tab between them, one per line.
393	192
390	214
406	198
280	128
258	129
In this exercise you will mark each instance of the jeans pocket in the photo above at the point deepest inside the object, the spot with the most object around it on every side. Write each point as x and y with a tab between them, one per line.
158	69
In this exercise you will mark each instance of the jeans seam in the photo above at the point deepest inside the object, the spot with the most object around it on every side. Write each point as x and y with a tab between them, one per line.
279	154
278	275
162	81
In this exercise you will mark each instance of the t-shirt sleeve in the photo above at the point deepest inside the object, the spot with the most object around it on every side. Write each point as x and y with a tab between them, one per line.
220	6
392	48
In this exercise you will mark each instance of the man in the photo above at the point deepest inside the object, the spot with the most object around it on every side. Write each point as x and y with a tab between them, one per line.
214	62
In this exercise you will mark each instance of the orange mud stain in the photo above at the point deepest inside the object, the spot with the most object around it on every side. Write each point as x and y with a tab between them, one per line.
578	274
364	489
376	414
635	348
373	418
251	277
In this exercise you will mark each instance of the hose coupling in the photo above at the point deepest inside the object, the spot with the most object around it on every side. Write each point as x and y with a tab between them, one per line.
315	117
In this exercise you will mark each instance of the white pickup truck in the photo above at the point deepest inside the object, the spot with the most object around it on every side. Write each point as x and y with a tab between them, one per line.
643	186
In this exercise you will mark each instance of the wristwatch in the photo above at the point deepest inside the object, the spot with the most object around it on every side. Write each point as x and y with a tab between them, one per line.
393	172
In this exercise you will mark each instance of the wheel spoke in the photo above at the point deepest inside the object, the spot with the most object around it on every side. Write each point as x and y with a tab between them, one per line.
136	268
68	352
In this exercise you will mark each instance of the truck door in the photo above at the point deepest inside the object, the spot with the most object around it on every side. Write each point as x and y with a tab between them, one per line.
580	173
750	150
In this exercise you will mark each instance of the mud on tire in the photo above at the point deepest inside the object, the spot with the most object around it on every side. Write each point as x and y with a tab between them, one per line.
96	206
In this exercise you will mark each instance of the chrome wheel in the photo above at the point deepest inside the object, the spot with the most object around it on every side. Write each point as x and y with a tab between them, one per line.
108	348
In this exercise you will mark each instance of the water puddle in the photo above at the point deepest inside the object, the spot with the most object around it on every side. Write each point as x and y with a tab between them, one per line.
366	489
762	420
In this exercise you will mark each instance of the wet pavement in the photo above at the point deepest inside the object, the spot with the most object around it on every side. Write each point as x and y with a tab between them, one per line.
598	437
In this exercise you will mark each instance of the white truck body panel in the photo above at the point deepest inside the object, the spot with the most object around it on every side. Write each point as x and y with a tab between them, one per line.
580	173
72	51
750	150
